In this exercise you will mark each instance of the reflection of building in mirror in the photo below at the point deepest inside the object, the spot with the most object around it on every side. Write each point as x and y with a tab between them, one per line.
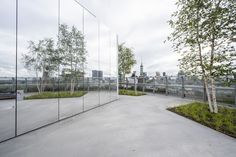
97	74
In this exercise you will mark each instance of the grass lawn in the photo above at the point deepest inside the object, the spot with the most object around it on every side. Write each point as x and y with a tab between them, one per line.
130	92
229	102
49	95
224	121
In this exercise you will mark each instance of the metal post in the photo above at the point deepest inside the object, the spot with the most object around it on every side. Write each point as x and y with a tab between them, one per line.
127	82
144	85
204	92
166	85
13	84
235	94
154	86
26	85
88	84
182	80
16	76
58	67
109	84
58	92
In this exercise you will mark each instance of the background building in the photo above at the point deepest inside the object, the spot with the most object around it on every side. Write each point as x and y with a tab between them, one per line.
97	74
143	75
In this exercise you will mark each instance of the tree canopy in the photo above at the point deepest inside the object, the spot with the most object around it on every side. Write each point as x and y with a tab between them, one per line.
72	53
69	56
41	58
126	60
204	34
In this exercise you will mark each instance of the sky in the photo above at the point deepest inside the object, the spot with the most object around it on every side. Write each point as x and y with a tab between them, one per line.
141	24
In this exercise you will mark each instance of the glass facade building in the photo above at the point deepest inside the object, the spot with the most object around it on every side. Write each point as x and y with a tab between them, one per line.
56	61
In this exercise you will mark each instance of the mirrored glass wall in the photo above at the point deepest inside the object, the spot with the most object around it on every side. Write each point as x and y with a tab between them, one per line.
7	69
56	61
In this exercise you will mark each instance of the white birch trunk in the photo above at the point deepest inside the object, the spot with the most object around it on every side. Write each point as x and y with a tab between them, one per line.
213	90
208	95
135	86
72	86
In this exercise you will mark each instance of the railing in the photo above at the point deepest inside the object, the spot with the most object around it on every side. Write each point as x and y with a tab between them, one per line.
180	87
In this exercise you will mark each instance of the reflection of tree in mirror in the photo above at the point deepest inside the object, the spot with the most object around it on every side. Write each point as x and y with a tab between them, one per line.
41	58
44	58
126	60
73	54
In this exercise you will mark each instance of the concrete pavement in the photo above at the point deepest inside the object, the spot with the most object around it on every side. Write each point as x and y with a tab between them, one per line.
132	126
32	114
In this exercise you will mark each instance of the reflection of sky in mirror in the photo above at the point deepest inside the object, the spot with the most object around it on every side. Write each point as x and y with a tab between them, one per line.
7	38
71	14
113	54
104	49
38	20
91	39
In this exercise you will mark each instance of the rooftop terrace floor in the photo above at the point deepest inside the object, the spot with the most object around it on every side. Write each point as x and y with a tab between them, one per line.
130	127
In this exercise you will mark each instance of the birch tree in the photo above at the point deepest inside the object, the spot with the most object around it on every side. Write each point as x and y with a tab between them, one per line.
126	60
204	32
42	59
72	53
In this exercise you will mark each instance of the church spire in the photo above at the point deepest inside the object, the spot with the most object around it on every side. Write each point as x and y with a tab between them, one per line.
141	68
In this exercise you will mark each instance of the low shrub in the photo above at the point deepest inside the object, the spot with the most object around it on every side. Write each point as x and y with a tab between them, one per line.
50	95
223	121
130	92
